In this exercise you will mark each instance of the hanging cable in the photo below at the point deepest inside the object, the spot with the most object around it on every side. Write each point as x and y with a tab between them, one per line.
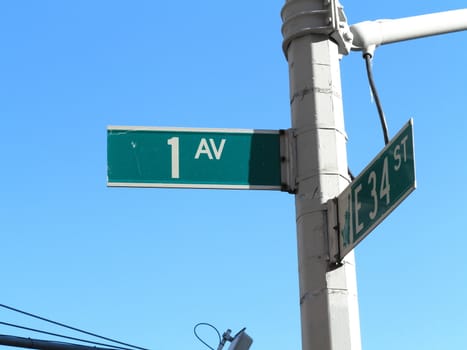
61	336
201	340
351	175
382	117
70	327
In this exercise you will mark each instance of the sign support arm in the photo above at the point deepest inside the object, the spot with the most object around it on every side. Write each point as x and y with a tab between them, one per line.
370	34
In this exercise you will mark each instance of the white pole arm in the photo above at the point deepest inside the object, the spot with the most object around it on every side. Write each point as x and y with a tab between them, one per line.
370	34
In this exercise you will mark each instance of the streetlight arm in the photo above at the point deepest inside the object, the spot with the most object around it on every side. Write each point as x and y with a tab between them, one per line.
370	34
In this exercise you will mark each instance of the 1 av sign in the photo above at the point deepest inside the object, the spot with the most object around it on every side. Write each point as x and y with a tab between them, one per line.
193	158
374	194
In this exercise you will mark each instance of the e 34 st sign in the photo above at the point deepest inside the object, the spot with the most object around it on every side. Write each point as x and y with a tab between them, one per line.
374	194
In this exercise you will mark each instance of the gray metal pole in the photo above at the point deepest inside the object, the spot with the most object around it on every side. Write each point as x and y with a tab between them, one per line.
328	295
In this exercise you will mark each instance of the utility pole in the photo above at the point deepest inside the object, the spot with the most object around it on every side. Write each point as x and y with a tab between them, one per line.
328	294
316	34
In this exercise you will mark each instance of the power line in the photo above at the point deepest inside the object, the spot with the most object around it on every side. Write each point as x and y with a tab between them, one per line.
30	343
60	335
70	327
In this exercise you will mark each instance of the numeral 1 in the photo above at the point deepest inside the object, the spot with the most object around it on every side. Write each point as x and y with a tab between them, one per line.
173	143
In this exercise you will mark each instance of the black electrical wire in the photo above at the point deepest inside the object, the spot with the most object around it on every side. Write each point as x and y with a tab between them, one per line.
382	117
40	344
61	336
351	175
70	327
201	340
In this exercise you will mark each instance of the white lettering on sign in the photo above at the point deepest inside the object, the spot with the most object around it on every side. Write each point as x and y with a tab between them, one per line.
203	148
173	143
385	189
379	188
397	155
210	149
374	195
217	151
358	205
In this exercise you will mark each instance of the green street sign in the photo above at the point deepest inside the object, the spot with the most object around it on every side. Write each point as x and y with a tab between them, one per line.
377	191
193	158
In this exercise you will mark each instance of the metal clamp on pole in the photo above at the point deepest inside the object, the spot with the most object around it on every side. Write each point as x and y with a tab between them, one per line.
288	145
301	17
333	233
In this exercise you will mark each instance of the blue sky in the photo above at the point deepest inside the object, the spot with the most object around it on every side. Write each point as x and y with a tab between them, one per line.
146	265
